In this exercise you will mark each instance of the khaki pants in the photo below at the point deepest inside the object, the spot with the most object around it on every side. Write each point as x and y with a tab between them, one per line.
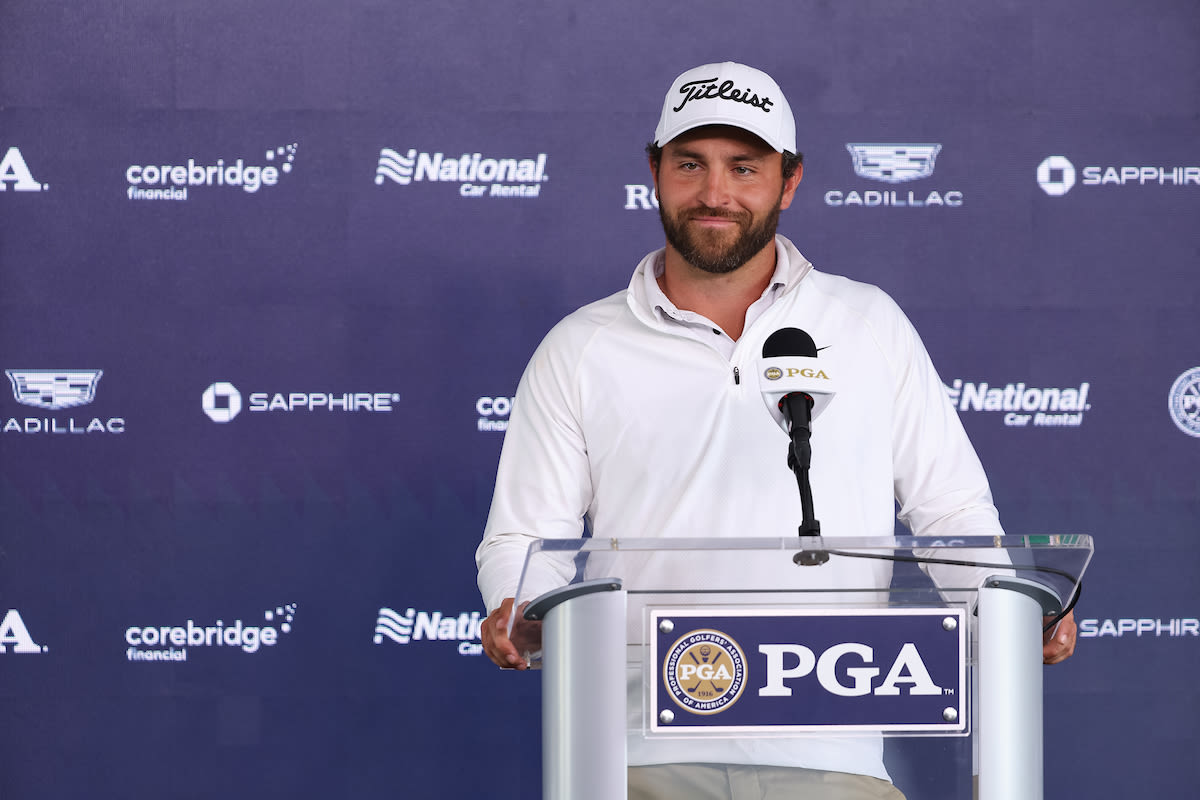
737	782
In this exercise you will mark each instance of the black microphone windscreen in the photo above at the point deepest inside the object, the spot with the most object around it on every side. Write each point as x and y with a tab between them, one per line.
789	342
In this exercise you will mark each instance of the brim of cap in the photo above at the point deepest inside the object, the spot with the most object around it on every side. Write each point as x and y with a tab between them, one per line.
700	122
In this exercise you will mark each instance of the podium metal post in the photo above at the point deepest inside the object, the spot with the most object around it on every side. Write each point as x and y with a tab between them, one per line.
1010	693
583	694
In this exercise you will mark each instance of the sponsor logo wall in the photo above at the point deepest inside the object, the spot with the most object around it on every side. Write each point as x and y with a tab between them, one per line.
268	286
894	164
1185	402
174	181
15	637
493	413
172	643
1023	406
222	402
476	175
15	174
56	391
412	626
1057	175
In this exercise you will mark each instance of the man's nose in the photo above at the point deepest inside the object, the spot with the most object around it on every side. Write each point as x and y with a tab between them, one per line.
715	191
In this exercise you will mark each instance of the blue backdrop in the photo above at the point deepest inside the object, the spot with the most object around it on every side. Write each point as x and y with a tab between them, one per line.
269	275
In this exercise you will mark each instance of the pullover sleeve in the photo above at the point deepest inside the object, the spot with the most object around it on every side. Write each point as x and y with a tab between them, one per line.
543	483
939	482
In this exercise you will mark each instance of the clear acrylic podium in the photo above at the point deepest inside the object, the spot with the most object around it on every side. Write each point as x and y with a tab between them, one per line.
930	646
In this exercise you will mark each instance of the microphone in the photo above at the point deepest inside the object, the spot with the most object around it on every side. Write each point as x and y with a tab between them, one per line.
797	389
790	373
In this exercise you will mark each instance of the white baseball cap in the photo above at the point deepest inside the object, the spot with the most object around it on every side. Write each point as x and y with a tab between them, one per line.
728	94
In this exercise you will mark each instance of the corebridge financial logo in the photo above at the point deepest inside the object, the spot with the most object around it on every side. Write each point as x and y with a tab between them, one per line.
222	402
477	175
1023	406
15	174
171	643
55	391
894	164
180	178
493	413
1057	175
430	626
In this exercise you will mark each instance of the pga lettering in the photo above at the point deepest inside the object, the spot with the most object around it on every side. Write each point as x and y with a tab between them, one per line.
705	672
790	661
14	634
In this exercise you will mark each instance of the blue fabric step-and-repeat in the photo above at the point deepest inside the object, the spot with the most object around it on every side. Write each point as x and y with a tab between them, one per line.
269	274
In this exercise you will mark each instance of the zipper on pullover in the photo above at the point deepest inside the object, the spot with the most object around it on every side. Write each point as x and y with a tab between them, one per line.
737	377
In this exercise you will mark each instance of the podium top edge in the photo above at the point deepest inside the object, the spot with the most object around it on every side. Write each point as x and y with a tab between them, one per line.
1080	542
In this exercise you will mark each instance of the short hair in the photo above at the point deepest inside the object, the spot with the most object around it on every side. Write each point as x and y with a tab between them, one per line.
791	161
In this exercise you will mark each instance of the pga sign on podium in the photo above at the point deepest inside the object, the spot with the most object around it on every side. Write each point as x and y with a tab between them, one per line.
685	650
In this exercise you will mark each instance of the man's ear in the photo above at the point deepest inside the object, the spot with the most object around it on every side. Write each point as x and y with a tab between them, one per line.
789	187
654	176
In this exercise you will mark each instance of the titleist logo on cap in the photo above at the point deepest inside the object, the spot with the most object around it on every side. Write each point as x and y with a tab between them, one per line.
707	89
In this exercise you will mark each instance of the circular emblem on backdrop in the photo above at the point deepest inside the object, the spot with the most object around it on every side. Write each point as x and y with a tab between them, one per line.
1056	176
1185	402
705	671
773	373
222	401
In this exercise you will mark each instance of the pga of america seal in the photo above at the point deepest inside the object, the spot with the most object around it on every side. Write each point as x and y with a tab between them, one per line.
1185	402
705	671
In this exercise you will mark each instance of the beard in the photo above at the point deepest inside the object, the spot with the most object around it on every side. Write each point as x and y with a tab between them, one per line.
719	252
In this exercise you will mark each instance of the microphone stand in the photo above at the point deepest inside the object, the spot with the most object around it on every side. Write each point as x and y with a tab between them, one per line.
799	460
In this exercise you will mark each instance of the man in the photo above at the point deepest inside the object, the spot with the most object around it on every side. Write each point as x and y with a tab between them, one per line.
641	413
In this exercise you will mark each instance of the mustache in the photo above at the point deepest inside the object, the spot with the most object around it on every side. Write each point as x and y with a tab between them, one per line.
705	211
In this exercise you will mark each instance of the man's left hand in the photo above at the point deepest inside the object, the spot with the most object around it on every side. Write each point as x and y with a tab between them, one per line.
1059	644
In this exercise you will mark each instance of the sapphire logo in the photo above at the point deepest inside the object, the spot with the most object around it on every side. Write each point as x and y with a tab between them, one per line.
415	625
1157	627
1185	402
476	176
893	164
15	172
704	671
1056	176
222	402
54	390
